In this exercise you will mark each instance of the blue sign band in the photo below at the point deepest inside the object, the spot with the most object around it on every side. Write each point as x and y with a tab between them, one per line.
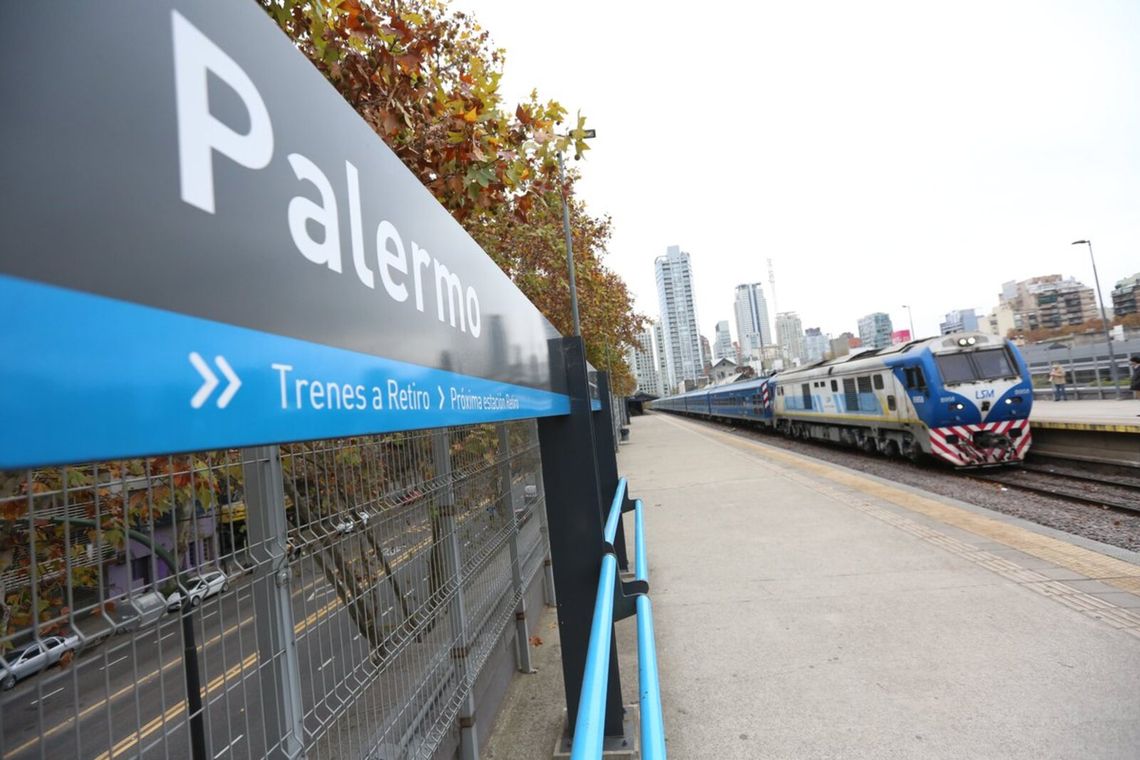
89	378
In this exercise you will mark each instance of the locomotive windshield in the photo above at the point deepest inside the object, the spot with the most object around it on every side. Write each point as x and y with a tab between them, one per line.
988	364
992	364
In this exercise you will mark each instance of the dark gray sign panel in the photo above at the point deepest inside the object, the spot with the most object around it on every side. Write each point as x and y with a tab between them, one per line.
205	246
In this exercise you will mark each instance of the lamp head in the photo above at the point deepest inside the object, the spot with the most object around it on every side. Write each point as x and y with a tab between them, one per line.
1079	242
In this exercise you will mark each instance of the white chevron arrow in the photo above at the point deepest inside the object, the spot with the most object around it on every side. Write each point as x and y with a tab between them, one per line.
440	389
232	388
210	381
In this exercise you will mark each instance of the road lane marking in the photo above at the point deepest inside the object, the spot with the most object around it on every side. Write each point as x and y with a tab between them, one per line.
316	615
112	664
46	697
87	711
298	628
156	723
229	746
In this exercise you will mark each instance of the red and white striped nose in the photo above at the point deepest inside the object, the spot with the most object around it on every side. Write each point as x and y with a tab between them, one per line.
981	444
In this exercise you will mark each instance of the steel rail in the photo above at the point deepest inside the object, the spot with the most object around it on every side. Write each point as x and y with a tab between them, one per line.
1093	499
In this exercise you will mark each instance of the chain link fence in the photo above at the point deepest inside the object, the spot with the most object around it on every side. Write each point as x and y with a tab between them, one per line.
334	599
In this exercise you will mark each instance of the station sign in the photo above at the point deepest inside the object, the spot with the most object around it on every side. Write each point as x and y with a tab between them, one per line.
206	247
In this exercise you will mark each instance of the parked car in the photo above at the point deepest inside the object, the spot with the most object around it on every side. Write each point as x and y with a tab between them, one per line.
530	494
200	588
34	657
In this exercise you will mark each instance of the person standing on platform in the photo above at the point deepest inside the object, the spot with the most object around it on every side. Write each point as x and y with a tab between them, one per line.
1135	362
1057	378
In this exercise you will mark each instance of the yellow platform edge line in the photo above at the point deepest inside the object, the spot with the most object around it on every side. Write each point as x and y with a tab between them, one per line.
1094	565
1092	427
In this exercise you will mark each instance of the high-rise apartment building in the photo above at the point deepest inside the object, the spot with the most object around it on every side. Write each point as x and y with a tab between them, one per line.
875	330
706	355
643	361
816	344
1049	302
722	343
752	326
790	335
1126	296
668	384
961	320
678	315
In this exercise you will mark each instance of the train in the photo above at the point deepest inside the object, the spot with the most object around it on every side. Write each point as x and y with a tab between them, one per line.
964	399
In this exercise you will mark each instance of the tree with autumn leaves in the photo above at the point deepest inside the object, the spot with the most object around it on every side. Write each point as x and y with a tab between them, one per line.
426	79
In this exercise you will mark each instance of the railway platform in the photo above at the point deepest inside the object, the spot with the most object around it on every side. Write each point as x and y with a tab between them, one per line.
806	610
1090	414
1104	431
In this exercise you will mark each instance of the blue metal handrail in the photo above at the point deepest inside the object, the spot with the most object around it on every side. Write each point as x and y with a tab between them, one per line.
589	728
649	682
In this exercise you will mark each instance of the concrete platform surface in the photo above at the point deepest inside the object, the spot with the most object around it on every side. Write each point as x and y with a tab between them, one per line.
805	610
1087	414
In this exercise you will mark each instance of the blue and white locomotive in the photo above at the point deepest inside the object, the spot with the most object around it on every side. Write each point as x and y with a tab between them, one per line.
963	398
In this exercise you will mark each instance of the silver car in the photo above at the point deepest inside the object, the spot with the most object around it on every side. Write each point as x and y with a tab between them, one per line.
206	585
34	657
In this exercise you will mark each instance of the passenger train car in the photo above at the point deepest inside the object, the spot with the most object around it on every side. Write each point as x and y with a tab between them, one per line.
963	398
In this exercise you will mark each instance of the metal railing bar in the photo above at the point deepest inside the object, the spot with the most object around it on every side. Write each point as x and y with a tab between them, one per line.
648	677
589	728
615	511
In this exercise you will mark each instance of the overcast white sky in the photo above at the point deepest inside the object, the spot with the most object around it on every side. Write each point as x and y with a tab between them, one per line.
879	153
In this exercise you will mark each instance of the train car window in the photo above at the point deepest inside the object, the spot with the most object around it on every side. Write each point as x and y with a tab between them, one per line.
806	388
915	379
955	368
864	384
878	381
850	395
992	363
834	386
891	405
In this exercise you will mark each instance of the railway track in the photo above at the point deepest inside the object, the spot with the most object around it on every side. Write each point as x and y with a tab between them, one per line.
1117	494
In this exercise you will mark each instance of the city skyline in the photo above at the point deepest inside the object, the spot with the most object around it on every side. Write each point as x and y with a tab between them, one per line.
864	176
1032	303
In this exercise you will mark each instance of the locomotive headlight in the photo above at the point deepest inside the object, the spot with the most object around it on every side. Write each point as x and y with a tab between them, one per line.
971	341
959	406
962	342
1009	401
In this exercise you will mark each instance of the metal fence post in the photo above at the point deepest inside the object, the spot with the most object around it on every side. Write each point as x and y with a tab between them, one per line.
267	532
453	568
507	503
606	448
575	510
549	597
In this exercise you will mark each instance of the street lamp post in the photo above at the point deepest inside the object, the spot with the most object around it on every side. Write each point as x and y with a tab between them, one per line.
910	317
587	134
1104	320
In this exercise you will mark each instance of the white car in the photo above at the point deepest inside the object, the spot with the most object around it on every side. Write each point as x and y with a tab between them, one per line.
204	586
34	657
